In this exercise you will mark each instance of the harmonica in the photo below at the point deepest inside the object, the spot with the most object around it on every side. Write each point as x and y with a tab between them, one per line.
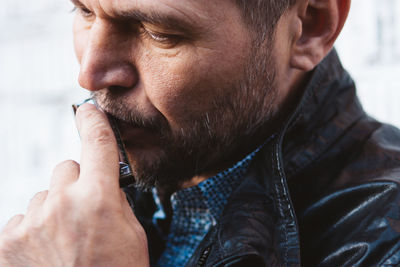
126	177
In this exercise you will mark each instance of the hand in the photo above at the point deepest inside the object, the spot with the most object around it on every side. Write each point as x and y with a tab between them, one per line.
84	218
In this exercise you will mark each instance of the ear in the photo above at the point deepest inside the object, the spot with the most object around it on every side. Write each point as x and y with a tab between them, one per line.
321	21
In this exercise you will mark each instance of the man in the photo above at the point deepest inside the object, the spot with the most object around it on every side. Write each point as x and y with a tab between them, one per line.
247	141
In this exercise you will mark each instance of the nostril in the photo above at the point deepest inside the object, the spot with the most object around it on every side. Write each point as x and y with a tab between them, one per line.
117	88
112	75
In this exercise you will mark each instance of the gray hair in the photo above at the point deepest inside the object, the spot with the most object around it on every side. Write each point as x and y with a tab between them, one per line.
263	15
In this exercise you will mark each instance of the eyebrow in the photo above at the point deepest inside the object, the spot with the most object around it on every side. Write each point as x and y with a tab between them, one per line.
154	17
165	20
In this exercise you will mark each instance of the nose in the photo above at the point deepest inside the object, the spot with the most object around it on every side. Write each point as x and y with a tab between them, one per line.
105	60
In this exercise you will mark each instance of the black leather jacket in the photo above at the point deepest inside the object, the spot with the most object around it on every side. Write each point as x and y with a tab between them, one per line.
326	192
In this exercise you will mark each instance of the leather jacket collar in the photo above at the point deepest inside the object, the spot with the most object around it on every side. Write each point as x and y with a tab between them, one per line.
281	205
260	225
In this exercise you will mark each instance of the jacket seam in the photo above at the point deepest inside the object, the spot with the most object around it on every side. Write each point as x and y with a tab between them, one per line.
389	256
280	187
276	189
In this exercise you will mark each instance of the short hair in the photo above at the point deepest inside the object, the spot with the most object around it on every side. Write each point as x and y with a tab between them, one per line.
263	15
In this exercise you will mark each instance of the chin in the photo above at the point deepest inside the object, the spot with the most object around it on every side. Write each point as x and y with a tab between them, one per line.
155	167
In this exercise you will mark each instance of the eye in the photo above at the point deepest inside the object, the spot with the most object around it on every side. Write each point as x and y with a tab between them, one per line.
82	11
85	12
162	39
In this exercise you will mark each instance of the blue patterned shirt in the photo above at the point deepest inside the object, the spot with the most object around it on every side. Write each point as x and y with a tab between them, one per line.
195	210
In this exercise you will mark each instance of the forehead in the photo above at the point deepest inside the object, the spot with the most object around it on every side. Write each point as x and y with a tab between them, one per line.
190	9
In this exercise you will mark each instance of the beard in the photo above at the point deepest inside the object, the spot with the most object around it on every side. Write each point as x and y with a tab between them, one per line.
236	123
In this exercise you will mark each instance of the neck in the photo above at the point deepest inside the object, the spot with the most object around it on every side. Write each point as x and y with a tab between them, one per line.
196	180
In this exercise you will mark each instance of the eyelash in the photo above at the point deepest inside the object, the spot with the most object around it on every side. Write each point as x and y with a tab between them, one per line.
159	37
165	39
83	11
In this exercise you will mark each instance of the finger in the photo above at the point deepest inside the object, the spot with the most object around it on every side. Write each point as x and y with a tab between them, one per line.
64	173
128	209
13	222
36	203
99	157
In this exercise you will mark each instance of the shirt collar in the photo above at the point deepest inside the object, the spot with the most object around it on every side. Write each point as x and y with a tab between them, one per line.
211	194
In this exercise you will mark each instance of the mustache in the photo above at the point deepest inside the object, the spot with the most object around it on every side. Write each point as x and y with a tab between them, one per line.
117	107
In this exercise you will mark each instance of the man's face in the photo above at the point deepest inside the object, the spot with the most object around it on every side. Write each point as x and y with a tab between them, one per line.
189	91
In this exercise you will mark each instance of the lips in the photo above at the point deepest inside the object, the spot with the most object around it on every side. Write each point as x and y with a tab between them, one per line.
134	136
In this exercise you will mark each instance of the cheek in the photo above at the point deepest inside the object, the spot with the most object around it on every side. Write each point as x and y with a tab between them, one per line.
178	86
183	85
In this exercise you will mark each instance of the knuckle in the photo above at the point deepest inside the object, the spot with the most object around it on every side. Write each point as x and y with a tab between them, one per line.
17	217
11	246
40	195
11	239
57	204
101	210
57	201
68	166
13	223
5	243
36	201
100	134
98	202
55	211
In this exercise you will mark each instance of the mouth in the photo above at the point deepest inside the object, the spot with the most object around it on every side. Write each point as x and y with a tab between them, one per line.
133	135
134	132
126	120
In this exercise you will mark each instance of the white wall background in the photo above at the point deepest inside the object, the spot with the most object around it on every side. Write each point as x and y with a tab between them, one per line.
38	74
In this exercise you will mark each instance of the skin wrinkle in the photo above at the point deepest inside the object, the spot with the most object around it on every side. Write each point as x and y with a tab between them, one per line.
202	103
213	21
194	15
188	17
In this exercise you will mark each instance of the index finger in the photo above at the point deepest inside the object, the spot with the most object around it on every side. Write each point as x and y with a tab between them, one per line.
99	156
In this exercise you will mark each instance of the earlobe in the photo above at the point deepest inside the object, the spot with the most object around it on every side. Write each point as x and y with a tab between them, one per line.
321	22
